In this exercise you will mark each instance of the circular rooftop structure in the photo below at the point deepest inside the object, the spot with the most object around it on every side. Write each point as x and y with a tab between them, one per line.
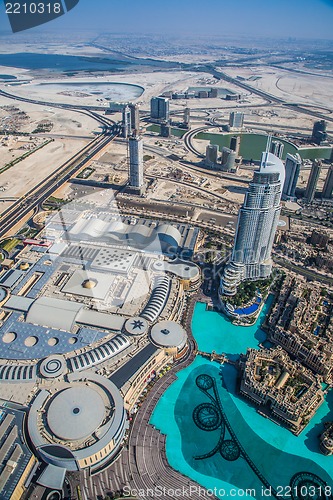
168	334
53	366
31	341
136	326
75	413
9	337
81	426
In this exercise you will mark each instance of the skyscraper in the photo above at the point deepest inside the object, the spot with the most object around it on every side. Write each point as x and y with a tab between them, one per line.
235	143
293	168
187	117
126	122
135	117
165	129
319	132
228	160
277	148
236	120
136	162
257	222
313	180
212	151
159	108
328	186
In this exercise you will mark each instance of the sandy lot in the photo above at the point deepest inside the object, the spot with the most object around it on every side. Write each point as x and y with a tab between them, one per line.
70	131
25	175
293	87
63	121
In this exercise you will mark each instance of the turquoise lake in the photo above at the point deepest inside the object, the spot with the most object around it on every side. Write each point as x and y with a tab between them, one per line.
268	455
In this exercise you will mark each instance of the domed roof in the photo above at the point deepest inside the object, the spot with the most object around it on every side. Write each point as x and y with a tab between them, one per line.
75	413
168	334
136	326
89	284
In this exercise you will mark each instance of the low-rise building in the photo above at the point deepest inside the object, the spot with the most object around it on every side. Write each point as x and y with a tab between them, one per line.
283	389
301	322
17	462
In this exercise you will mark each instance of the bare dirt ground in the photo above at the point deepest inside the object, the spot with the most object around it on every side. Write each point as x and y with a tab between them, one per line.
291	86
25	175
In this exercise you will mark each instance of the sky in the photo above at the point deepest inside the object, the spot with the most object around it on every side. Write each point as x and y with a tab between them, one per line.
276	18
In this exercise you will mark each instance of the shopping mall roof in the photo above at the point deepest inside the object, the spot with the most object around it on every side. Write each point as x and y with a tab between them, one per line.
168	334
98	319
126	372
18	303
183	269
75	413
52	477
54	313
78	284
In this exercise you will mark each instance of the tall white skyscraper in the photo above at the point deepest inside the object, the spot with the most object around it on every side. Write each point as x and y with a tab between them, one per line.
257	222
136	162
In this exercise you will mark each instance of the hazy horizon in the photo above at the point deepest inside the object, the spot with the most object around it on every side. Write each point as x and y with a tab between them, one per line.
303	19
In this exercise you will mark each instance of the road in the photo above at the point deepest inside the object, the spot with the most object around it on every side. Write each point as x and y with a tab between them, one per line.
10	217
190	167
220	75
31	200
52	104
308	273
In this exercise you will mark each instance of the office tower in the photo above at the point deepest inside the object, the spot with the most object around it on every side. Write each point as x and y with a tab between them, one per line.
257	222
277	148
165	129
126	123
293	167
212	151
319	132
159	108
135	117
328	186
187	117
236	120
228	159
235	144
136	162
313	180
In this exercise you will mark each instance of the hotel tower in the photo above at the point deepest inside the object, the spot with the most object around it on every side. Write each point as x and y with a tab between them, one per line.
257	222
